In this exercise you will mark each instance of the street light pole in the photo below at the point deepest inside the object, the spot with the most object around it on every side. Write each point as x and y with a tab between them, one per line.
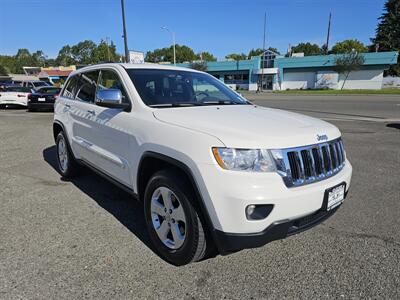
173	41
124	32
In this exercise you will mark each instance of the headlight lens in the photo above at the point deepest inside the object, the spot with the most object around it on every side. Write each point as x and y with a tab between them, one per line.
251	160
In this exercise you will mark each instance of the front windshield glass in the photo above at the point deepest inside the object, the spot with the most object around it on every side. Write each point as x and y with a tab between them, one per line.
166	88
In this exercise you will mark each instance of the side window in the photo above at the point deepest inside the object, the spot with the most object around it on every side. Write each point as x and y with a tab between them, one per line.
87	86
110	80
70	87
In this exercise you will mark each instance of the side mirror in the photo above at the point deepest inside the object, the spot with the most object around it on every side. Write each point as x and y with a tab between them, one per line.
111	98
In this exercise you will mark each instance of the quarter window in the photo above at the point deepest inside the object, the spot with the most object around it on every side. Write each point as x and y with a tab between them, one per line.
70	87
87	86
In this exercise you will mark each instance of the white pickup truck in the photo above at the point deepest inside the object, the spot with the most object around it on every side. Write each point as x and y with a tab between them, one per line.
214	171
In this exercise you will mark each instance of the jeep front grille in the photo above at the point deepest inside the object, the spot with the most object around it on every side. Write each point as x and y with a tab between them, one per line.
304	165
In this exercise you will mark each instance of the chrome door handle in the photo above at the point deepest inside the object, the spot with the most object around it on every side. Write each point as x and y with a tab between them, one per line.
67	106
92	112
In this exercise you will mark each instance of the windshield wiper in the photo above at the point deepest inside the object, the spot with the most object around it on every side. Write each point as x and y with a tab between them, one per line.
183	104
222	102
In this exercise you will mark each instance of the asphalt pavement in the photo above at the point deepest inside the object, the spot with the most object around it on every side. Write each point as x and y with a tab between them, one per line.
86	238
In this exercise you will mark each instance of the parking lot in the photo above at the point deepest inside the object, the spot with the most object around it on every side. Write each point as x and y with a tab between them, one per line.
87	239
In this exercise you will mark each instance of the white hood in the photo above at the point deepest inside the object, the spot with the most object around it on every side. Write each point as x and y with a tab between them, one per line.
248	126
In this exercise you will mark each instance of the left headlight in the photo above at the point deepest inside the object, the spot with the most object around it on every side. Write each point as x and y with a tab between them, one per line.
251	160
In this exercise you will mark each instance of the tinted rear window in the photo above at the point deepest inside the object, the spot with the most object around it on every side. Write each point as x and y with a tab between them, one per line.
49	90
18	89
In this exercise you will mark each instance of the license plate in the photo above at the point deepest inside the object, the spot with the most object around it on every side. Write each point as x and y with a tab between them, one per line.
41	99
335	196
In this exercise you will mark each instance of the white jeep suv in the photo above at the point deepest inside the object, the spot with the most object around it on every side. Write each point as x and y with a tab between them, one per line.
215	173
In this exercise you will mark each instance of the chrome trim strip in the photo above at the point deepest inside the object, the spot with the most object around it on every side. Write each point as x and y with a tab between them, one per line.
335	157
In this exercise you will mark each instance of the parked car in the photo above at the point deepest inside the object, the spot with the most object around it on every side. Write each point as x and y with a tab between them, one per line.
213	170
43	98
35	84
14	96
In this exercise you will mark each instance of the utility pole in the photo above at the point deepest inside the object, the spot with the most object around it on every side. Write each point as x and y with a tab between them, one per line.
108	49
329	33
263	54
124	32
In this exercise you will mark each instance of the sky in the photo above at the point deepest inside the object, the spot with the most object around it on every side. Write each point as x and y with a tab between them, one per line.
218	26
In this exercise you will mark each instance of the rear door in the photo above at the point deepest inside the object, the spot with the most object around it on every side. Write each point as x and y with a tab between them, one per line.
82	114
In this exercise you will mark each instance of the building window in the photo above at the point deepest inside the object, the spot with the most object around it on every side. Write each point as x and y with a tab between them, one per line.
268	59
237	78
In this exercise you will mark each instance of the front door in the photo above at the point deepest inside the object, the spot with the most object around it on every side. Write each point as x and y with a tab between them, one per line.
110	136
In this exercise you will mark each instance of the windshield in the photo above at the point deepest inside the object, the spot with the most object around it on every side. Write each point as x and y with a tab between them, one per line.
166	88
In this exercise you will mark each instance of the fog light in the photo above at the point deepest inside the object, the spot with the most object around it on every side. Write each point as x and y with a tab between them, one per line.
258	212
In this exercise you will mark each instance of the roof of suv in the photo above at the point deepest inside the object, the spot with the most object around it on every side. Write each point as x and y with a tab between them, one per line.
135	66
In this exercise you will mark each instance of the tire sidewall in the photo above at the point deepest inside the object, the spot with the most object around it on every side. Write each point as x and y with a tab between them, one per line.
185	253
66	172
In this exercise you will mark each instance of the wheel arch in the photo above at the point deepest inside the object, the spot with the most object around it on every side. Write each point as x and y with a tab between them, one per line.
152	162
57	128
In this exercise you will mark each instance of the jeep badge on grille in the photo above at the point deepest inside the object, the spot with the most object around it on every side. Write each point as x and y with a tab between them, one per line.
322	137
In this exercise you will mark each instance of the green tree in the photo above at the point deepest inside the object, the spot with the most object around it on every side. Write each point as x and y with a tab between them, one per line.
348	46
183	54
206	56
105	53
83	52
236	56
346	63
65	56
307	48
23	58
3	71
39	58
8	62
388	32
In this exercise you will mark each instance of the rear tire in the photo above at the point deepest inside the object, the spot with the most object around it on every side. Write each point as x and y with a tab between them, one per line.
67	165
174	223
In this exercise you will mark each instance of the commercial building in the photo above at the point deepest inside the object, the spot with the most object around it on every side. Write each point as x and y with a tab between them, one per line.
55	75
308	72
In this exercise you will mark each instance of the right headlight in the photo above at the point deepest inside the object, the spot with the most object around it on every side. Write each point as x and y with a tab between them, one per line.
250	160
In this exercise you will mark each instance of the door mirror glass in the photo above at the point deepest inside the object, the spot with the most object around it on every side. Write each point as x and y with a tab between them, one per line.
111	98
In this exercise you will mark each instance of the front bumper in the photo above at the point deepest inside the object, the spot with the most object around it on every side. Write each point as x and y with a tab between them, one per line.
226	195
232	242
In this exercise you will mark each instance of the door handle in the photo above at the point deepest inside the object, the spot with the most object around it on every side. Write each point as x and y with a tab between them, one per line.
92	112
68	106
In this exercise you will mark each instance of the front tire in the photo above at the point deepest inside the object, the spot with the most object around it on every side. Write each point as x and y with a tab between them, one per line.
67	165
172	219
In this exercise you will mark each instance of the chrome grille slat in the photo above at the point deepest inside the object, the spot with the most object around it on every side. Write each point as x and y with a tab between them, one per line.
308	164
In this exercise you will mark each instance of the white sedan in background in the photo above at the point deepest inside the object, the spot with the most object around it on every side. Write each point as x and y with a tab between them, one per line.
15	95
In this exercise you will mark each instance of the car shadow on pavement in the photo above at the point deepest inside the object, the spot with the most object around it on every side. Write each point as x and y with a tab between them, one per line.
117	202
393	125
